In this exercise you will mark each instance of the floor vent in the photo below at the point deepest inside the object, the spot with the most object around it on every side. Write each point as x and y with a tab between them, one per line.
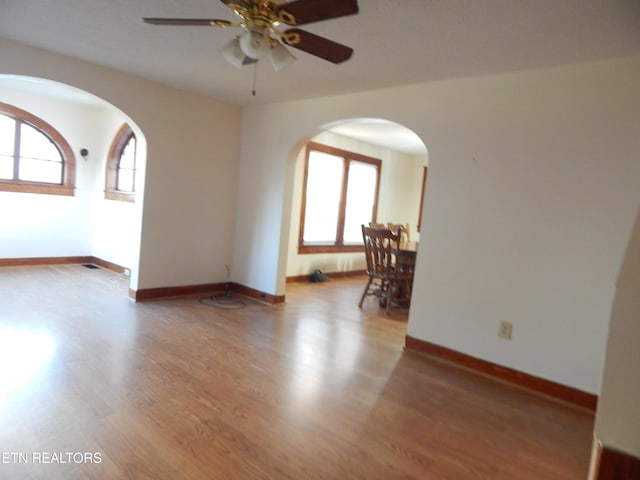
90	265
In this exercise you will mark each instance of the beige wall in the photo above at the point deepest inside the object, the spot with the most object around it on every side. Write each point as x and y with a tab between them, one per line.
188	207
618	418
533	188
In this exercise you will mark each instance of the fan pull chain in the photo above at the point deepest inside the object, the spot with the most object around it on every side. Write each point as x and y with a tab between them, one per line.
255	74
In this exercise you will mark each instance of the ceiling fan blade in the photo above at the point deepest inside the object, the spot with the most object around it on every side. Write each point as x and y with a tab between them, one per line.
319	46
241	3
189	22
300	12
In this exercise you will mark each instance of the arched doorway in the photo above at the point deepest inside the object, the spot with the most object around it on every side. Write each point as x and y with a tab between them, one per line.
86	223
403	161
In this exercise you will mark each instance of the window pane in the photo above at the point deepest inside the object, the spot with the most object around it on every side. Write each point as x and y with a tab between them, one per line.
125	180
128	157
7	141
361	190
324	186
7	135
6	167
35	144
40	159
35	170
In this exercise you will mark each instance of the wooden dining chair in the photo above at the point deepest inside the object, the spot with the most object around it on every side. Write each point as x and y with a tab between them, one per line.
377	225
403	227
381	247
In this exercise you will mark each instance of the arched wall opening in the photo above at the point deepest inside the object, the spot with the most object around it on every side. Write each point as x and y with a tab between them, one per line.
85	224
404	158
497	241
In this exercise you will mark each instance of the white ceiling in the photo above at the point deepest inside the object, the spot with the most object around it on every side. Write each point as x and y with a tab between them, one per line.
47	88
396	43
384	133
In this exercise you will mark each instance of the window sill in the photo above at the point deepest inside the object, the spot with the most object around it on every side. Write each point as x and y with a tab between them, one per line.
119	196
305	249
33	187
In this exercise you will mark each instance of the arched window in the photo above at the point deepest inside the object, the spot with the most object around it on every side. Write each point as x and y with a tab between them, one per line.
34	156
121	166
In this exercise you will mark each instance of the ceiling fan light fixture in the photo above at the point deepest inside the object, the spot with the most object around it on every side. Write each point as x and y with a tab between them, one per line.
281	57
254	44
260	36
233	53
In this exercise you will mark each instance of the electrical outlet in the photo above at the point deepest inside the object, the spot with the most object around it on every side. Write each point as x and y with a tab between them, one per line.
505	330
127	272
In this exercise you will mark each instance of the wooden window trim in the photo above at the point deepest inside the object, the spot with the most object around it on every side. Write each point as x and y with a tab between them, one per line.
118	144
67	187
120	196
424	185
347	156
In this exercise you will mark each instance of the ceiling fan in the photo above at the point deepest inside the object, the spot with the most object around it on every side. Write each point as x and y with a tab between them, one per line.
262	36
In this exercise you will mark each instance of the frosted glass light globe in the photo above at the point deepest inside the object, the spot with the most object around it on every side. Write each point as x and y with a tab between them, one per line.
254	44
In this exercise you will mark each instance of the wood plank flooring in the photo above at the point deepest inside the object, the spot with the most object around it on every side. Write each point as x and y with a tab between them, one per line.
312	389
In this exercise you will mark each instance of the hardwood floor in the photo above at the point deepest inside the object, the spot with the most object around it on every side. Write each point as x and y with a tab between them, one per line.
313	389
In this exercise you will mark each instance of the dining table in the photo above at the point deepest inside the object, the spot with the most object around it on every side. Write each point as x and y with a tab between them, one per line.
407	252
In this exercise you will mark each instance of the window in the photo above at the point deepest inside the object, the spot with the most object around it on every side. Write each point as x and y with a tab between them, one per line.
34	156
121	166
340	193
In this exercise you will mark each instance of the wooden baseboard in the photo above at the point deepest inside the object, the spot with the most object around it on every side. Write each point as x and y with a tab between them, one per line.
169	292
257	294
305	278
616	465
545	387
145	294
40	261
114	267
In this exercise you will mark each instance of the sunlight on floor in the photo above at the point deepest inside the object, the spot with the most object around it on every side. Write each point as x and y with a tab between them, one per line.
320	350
23	355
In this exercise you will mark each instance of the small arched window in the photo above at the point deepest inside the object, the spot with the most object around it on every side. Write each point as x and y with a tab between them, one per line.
121	166
34	156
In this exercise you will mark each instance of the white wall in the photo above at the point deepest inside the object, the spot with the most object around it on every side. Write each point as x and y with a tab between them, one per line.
116	224
533	186
34	225
399	202
85	224
193	143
